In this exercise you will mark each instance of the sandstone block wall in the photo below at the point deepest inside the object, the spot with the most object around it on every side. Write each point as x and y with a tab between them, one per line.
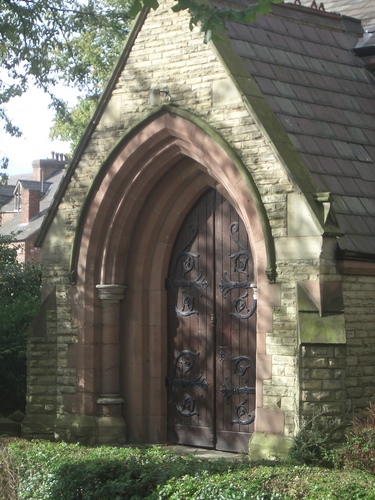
302	378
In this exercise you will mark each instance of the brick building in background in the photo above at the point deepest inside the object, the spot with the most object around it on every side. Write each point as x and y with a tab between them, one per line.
209	258
24	202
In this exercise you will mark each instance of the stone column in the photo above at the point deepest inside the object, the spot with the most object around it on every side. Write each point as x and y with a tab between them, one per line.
110	421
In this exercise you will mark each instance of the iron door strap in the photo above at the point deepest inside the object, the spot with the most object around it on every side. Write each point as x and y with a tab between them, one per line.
241	366
240	262
187	359
188	261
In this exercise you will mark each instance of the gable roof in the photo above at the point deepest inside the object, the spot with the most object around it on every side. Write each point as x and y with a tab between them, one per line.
13	226
303	62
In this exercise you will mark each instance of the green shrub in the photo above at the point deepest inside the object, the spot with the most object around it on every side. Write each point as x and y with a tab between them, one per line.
8	472
204	486
316	442
20	286
61	471
359	448
52	471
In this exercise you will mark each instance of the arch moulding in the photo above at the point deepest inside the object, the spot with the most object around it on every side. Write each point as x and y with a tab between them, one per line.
125	236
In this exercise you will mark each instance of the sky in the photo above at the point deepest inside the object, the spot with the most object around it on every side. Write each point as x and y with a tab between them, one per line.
31	114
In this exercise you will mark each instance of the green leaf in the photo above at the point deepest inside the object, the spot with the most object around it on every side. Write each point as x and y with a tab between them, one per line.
135	8
152	4
181	5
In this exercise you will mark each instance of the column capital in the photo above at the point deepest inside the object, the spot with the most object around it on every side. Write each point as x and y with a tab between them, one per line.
111	293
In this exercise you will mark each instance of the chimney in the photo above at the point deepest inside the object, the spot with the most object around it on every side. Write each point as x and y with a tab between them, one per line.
43	169
30	204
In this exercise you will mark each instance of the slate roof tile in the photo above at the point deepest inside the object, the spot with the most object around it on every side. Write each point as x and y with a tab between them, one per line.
364	242
282	73
275	24
331	166
367	171
265	53
329	183
299	77
298	61
348	168
251	67
350	205
360	153
314	49
294	30
370	221
334	85
264	69
346	243
359	224
284	89
343	149
346	223
315	163
369	204
356	119
322	112
303	92
273	104
286	105
241	31
339	116
310	33
367	188
350	186
289	122
307	126
310	145
371	151
267	85
339	131
305	109
295	45
304	64
316	81
365	103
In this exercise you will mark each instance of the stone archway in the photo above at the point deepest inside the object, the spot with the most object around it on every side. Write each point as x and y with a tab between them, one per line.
127	231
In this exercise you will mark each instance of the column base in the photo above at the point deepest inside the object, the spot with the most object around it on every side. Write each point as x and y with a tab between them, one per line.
90	431
111	430
264	446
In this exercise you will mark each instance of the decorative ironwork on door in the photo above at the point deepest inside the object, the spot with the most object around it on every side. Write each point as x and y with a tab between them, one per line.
212	302
243	311
241	365
189	262
240	262
183	364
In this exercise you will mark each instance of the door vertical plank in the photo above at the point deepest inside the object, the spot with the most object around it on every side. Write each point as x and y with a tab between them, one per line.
210	339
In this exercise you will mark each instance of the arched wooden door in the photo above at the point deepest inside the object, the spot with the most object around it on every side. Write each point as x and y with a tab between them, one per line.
211	330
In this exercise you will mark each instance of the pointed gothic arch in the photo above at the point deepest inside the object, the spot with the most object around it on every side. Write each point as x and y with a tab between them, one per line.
123	245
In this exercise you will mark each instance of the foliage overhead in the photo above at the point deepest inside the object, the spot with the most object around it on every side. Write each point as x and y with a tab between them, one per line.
75	43
211	19
68	42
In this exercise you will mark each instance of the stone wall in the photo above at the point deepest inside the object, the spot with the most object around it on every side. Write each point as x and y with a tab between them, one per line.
166	54
359	300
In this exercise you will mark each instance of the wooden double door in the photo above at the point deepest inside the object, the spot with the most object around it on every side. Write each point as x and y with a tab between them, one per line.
211	330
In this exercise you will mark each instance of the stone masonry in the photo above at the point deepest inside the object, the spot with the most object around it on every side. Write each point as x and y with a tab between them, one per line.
299	374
